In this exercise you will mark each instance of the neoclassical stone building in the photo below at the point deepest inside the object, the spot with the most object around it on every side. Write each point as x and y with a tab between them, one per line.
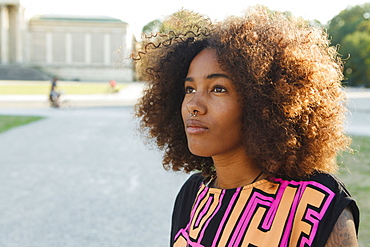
12	31
71	47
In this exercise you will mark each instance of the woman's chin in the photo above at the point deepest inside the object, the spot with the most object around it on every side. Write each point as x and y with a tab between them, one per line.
200	153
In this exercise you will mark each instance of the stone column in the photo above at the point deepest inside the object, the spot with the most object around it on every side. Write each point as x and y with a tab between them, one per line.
107	49
88	47
15	36
4	34
49	48
69	48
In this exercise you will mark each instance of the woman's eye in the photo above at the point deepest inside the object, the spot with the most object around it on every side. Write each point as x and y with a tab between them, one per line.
189	90
219	89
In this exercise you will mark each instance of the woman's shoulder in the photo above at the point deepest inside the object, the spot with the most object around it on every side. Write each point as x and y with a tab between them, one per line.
196	177
331	181
326	179
184	202
326	184
193	182
342	199
190	188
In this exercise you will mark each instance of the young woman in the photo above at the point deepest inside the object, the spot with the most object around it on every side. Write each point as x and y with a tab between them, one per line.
255	104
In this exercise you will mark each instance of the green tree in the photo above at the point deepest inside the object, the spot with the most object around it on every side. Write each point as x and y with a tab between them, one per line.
153	26
347	21
357	67
351	30
177	23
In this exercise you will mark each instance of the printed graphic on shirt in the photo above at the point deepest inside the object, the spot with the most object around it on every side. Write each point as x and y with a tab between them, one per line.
283	213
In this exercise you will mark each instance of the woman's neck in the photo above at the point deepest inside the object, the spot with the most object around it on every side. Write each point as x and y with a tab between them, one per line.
235	171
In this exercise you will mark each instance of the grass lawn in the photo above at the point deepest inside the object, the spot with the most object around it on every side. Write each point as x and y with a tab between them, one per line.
355	173
8	122
29	87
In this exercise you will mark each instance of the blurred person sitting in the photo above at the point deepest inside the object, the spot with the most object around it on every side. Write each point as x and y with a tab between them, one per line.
54	93
113	87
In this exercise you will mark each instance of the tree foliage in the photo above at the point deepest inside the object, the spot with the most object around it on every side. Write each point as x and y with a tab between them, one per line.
153	26
351	29
176	22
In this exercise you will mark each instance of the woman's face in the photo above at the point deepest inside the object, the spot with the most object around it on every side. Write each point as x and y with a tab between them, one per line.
217	127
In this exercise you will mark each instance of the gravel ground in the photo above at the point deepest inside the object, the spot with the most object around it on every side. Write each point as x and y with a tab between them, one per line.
82	177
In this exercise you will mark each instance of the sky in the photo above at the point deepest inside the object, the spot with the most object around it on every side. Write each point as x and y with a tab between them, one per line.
137	13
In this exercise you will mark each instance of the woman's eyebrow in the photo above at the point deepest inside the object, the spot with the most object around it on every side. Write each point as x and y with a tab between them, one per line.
210	76
191	79
217	75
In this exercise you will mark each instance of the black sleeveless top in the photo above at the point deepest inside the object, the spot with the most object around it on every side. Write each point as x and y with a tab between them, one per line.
269	212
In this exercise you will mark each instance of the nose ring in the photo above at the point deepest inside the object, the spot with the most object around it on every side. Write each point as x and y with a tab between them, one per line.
194	114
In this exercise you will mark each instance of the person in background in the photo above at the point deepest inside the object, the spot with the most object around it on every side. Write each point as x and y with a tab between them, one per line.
113	87
253	106
54	93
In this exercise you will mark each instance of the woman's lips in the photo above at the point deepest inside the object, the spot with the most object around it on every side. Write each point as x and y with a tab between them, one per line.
195	127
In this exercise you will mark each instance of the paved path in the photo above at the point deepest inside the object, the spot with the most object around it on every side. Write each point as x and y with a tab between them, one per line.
82	177
126	96
359	112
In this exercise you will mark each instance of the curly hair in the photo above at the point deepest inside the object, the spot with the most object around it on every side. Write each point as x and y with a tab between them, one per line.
288	78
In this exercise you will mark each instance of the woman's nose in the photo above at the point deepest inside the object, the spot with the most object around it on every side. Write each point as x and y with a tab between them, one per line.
196	103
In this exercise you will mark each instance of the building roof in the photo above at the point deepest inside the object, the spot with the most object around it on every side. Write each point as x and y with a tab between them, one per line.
9	1
86	18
